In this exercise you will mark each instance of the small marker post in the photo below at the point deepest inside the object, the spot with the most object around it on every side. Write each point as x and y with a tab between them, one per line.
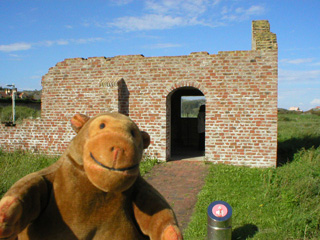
219	221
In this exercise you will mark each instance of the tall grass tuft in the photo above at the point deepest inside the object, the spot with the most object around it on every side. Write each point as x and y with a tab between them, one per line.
14	166
295	193
147	164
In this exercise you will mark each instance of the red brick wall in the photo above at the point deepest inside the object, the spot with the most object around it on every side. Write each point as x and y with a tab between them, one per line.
240	88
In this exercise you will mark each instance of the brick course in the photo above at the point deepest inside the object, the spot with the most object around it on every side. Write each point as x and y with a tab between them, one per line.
240	88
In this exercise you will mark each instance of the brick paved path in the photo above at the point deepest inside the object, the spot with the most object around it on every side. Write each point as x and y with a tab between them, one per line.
179	182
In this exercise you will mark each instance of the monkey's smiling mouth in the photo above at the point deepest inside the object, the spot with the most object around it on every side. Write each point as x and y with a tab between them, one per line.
113	169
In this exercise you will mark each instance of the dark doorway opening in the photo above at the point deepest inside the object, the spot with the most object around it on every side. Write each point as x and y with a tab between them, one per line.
186	141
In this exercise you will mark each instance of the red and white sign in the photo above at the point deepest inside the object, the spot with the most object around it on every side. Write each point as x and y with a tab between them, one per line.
219	210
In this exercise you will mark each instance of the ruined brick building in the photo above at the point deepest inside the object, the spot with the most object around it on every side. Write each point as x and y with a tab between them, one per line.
240	89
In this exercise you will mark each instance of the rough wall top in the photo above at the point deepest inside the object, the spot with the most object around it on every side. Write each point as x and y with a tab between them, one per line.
262	38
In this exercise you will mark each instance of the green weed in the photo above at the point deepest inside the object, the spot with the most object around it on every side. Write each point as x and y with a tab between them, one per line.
147	164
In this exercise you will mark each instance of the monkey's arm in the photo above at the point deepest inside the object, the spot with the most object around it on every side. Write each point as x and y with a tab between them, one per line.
153	214
24	201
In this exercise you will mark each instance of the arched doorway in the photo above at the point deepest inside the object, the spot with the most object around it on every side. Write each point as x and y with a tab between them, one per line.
184	137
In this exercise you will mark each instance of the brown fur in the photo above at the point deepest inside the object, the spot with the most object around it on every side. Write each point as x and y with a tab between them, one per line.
94	191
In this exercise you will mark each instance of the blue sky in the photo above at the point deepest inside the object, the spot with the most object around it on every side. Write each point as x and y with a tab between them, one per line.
37	34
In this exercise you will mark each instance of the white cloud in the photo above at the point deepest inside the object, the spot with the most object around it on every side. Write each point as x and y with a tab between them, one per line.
241	13
163	45
62	42
299	76
147	22
15	47
296	61
166	14
179	7
86	40
48	43
121	2
315	101
254	10
38	77
14	55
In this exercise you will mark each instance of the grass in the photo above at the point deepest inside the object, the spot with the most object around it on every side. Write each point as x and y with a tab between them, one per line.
14	166
281	203
295	192
296	131
21	113
147	164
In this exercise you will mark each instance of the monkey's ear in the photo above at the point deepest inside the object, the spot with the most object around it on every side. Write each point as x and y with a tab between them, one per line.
77	121
145	139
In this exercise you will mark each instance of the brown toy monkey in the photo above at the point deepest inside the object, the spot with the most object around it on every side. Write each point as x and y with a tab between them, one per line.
94	191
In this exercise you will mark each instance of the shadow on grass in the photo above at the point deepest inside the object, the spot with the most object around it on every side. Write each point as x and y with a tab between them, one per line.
244	232
288	148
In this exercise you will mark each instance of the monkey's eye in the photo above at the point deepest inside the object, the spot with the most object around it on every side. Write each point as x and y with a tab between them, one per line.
102	126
